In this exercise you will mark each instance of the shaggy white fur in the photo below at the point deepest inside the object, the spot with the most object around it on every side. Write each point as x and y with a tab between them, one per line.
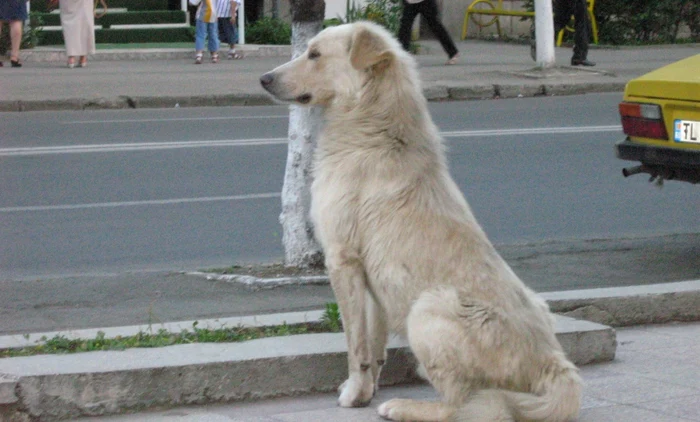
404	251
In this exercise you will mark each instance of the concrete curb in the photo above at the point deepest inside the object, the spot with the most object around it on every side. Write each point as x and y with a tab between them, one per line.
432	92
54	387
614	306
617	307
634	305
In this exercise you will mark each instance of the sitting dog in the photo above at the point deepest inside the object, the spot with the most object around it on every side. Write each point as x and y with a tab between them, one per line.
404	252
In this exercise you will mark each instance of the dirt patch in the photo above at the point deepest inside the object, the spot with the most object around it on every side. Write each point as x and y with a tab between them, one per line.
275	270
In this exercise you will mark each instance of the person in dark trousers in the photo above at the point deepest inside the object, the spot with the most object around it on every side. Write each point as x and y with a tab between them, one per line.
563	9
429	10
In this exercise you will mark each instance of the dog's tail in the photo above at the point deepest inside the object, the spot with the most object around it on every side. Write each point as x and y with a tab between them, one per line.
560	402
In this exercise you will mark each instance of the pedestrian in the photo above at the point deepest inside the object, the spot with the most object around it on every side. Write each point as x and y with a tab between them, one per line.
14	13
429	10
78	24
228	32
206	28
563	10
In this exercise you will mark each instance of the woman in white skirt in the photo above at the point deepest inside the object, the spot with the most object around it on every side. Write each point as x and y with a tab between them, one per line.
78	22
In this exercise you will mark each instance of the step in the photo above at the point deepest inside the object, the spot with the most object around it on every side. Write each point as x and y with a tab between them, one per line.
99	10
158	34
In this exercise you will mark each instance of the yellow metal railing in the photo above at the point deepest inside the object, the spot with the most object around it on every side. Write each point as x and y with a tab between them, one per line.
477	8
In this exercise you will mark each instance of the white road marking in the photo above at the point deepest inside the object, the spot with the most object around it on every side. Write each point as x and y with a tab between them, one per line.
172	119
233	142
531	131
141	203
72	149
145	146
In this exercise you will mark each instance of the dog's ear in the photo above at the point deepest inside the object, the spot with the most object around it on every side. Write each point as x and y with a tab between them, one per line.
368	49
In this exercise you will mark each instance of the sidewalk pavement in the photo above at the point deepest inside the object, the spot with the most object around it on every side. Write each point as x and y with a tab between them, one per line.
655	377
168	78
656	368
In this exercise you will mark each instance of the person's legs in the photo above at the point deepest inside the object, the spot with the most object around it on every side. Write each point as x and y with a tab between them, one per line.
200	32
563	9
224	35
15	40
410	10
429	10
232	53
580	31
213	40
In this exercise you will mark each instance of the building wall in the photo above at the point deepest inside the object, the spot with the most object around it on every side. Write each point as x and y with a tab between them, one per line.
337	8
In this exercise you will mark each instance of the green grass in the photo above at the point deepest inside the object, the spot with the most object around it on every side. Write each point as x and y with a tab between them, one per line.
330	323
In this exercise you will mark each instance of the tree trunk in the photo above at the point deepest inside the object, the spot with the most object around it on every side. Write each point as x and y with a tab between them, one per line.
544	29
301	248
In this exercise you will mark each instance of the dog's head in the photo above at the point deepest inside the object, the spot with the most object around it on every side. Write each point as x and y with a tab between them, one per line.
337	63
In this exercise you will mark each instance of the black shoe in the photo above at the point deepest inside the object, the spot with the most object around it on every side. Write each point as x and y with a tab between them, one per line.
15	63
581	62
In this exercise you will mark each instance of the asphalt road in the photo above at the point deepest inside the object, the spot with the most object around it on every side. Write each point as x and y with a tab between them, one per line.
100	210
114	191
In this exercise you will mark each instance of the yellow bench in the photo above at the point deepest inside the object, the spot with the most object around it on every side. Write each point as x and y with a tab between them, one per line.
487	7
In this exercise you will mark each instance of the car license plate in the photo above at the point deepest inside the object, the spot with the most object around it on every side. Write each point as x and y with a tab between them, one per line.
686	131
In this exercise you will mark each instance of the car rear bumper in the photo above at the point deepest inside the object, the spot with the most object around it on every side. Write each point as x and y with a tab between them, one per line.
655	155
662	162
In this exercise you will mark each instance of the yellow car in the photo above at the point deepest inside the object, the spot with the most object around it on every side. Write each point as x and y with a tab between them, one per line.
661	118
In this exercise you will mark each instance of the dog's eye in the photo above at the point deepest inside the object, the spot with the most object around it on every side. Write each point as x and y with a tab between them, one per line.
314	54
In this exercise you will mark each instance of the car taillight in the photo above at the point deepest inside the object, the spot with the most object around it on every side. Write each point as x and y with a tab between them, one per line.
643	120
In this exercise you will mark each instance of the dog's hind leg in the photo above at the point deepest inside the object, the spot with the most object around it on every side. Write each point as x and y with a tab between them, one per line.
349	284
415	410
437	338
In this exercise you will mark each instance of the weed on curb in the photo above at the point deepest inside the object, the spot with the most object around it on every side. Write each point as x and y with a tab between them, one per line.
329	323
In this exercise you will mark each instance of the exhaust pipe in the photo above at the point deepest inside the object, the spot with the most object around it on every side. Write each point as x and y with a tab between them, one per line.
631	171
656	174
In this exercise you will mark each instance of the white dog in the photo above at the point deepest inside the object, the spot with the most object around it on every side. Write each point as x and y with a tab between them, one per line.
404	251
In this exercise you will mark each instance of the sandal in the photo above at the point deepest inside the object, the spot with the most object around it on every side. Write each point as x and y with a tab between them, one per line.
215	57
198	58
452	60
15	63
233	55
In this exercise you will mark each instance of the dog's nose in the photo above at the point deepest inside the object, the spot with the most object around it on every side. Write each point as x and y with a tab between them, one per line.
266	79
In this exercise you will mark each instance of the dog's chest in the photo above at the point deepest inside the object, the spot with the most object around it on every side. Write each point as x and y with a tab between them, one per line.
335	196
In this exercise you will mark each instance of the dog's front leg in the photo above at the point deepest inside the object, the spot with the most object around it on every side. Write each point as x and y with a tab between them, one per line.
377	334
349	285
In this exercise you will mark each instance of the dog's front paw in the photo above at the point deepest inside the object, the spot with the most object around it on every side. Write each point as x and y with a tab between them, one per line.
356	391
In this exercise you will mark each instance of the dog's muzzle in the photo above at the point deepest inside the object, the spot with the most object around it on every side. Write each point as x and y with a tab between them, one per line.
268	82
